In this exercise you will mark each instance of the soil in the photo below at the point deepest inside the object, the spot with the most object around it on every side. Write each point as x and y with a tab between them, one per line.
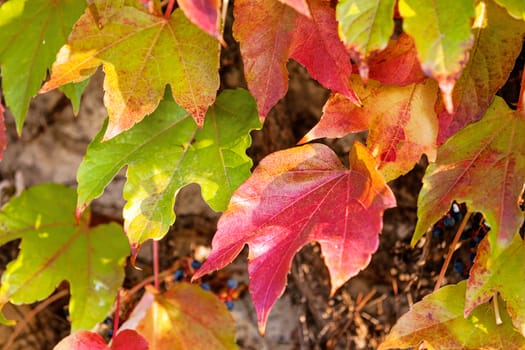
360	313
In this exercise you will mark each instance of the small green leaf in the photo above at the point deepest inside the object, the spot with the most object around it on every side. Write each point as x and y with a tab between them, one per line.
73	92
437	322
31	33
55	248
166	152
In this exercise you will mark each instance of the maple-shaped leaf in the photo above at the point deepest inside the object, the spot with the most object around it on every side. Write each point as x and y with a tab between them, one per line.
140	53
482	165
184	317
205	14
270	33
401	120
31	33
73	92
365	27
297	196
437	322
442	33
499	271
126	339
516	8
397	64
300	6
166	152
3	134
497	44
55	248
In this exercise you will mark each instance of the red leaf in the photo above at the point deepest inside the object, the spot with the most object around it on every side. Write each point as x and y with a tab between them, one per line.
82	340
126	339
3	135
270	33
397	64
298	196
204	14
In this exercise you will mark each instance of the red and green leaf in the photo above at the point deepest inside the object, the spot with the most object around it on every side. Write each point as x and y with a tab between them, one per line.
438	323
298	196
168	151
136	78
401	120
205	14
442	33
270	33
482	165
499	271
31	33
55	248
497	43
365	27
184	317
84	340
300	6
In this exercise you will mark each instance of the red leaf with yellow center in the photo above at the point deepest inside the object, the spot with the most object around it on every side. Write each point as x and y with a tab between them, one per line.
298	196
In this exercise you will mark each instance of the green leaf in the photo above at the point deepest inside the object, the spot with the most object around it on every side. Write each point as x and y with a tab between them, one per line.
516	8
499	271
482	165
437	322
73	92
31	33
442	32
365	27
55	248
166	152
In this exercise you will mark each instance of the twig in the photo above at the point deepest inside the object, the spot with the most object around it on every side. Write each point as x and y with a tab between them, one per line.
116	319
150	279
451	250
156	282
496	310
167	14
22	324
521	101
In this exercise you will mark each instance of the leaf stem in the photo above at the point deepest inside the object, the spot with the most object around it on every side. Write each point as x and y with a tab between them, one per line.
451	250
169	9
521	101
156	282
496	309
117	314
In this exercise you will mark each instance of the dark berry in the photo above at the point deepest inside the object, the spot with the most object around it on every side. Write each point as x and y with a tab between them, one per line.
437	232
229	304
110	333
459	267
471	257
449	221
178	275
108	321
205	286
195	264
231	283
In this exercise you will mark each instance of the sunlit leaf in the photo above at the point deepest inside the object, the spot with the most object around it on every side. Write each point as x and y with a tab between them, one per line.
297	196
84	340
204	13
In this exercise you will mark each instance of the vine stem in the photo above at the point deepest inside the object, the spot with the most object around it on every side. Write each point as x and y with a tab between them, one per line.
496	309
521	101
117	314
150	279
169	9
156	282
451	250
20	326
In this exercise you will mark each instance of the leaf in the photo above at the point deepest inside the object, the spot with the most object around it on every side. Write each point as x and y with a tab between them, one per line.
500	271
166	152
401	120
297	196
184	317
73	92
55	248
437	322
365	27
482	165
397	64
516	8
300	6
270	33
442	33
83	340
497	44
164	52
205	14
31	33
3	134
